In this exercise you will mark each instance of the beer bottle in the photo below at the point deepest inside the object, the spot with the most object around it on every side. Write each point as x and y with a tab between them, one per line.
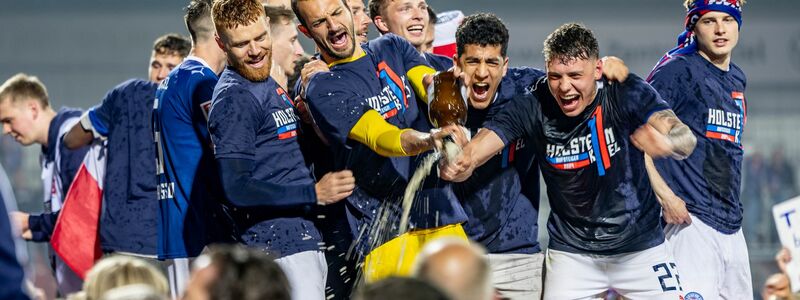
446	105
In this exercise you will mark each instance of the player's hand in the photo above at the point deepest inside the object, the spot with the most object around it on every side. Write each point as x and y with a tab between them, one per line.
652	142
335	186
313	67
675	212
454	132
20	220
458	170
615	69
783	258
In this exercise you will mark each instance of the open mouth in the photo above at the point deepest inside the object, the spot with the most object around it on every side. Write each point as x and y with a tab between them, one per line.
720	42
257	62
416	30
338	40
569	103
480	91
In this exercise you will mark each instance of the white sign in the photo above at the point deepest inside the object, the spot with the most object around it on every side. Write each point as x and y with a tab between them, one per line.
787	220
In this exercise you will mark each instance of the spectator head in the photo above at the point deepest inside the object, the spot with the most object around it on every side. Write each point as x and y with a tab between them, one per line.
116	271
456	267
777	287
401	288
133	292
237	272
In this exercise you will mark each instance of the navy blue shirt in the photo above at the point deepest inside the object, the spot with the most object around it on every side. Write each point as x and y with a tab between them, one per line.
377	80
42	225
712	103
438	62
12	275
502	216
128	217
601	199
256	121
189	190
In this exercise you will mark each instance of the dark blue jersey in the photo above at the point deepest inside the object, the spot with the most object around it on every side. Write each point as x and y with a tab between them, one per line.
12	275
377	81
601	199
438	62
128	219
502	216
712	103
188	183
256	121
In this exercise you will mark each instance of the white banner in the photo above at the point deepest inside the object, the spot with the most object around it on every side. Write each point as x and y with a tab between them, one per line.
787	220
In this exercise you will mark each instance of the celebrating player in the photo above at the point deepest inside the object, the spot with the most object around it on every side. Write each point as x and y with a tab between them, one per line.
604	228
700	195
409	19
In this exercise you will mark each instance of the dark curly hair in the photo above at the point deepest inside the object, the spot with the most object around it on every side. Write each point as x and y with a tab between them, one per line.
570	41
482	29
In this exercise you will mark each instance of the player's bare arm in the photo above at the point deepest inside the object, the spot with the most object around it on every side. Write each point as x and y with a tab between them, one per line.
483	146
665	135
673	207
78	136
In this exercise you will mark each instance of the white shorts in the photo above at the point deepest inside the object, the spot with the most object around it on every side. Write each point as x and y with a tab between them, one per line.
646	274
713	265
306	272
517	276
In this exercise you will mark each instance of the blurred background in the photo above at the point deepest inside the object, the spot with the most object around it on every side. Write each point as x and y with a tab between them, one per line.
82	48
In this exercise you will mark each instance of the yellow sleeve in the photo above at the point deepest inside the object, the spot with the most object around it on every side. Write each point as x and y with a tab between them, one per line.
415	76
380	136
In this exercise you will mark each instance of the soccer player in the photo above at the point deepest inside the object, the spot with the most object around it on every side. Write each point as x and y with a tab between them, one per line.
604	228
189	194
164	58
286	49
700	195
409	19
360	20
374	125
26	115
253	128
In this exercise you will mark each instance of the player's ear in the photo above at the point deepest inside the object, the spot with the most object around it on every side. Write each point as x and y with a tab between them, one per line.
304	30
457	68
380	24
598	69
505	65
219	41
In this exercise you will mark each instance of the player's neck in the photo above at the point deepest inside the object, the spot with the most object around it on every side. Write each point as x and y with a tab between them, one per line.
722	62
47	116
212	56
358	52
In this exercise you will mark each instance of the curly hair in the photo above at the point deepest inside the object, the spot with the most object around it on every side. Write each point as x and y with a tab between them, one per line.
229	14
482	29
570	41
172	44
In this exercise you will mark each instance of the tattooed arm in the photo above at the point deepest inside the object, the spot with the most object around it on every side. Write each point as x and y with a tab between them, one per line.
665	135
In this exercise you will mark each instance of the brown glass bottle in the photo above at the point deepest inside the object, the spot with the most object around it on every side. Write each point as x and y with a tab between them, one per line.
447	106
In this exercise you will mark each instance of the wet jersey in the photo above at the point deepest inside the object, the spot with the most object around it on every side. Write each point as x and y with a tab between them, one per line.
256	121
712	103
438	62
188	182
599	192
502	215
377	81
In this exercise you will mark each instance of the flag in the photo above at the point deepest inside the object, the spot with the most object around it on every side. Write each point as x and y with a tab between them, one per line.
75	236
444	40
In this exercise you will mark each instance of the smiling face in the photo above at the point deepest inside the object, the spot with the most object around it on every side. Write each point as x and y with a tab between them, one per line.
481	68
406	18
572	82
717	33
286	48
249	49
330	24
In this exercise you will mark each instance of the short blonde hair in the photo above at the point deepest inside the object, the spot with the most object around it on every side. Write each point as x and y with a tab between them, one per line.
119	270
23	86
228	14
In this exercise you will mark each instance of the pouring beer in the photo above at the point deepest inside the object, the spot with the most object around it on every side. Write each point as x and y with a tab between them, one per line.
446	106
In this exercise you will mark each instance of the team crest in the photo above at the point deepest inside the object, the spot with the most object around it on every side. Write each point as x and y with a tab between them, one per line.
693	296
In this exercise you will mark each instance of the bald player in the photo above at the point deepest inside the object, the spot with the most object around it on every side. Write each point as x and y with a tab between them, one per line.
458	268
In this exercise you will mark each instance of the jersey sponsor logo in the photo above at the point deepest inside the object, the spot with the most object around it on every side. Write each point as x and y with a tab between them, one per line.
596	147
693	296
205	107
166	190
285	119
726	125
393	98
